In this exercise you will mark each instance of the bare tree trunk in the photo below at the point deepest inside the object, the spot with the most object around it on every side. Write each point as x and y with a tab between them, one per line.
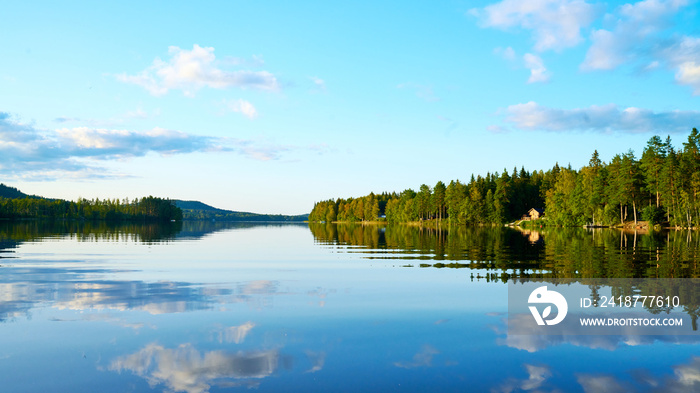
634	210
622	219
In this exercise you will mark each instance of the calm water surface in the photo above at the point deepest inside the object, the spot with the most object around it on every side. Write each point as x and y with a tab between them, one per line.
211	307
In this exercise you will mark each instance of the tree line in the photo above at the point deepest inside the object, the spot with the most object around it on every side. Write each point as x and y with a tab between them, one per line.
145	209
661	186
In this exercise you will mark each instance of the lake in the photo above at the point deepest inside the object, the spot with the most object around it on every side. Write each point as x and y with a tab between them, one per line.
210	307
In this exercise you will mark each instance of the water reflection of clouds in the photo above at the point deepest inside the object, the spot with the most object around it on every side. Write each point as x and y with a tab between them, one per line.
234	334
534	341
317	360
602	384
71	289
423	358
24	288
684	379
537	375
185	369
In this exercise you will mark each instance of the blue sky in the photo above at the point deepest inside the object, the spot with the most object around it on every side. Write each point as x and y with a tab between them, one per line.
271	106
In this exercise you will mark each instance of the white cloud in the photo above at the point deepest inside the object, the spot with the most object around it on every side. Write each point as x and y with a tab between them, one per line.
243	107
639	35
684	57
33	153
689	74
538	72
107	144
636	33
555	24
191	70
604	118
607	51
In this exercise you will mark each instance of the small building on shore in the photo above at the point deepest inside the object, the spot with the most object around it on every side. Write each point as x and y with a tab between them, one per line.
533	214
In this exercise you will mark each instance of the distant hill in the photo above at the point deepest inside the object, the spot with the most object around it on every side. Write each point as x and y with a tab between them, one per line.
14	204
13	193
191	210
196	205
195	210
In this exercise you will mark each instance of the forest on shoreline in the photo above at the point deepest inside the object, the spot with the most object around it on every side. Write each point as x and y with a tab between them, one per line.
660	187
17	205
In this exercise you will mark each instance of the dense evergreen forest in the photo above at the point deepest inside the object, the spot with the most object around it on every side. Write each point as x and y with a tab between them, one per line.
661	186
144	209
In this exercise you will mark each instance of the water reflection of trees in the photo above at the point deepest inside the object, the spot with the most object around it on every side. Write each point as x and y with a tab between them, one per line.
507	253
570	254
13	233
33	230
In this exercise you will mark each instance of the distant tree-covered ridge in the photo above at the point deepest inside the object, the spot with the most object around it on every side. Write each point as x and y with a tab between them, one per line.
661	186
13	193
195	210
148	208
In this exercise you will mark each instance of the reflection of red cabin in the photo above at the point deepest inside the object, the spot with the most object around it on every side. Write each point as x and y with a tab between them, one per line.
534	214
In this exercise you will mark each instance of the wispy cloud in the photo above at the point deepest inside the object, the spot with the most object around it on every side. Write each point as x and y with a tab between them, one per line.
33	154
506	53
191	70
538	72
534	63
684	57
637	33
319	83
243	107
604	118
555	24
